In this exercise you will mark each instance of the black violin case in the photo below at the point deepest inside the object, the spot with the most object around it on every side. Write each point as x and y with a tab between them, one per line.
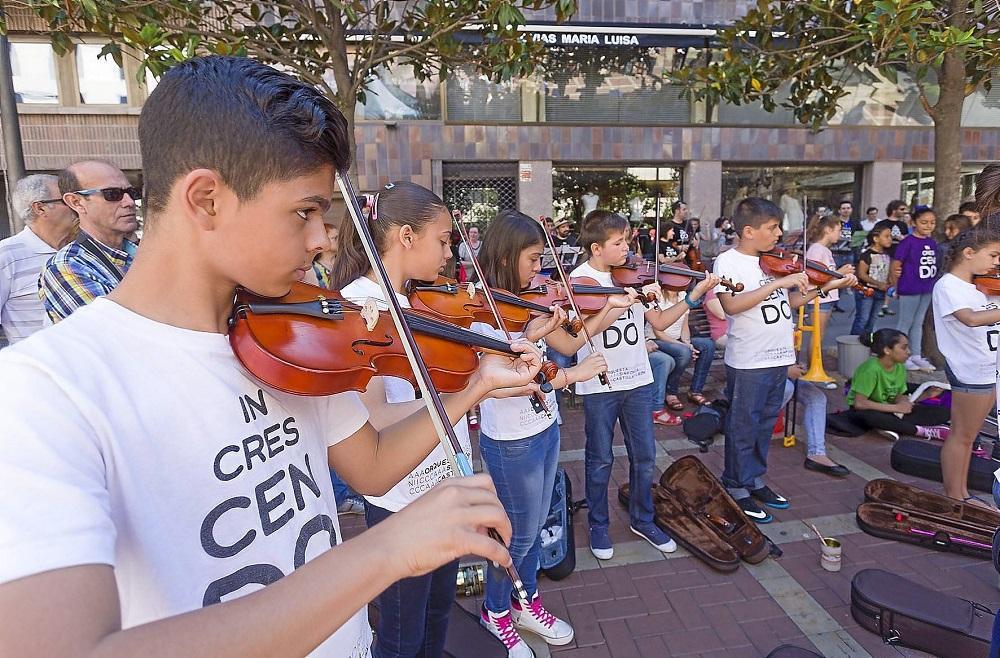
902	512
693	507
558	558
907	614
922	459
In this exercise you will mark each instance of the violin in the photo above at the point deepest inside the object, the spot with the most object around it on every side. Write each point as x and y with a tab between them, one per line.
779	262
989	283
314	342
669	276
464	305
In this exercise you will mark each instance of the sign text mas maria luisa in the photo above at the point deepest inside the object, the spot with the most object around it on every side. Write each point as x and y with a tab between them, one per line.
585	39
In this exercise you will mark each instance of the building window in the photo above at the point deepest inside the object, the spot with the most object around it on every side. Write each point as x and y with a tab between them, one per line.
480	189
641	193
397	94
34	71
624	85
102	81
798	191
474	98
917	186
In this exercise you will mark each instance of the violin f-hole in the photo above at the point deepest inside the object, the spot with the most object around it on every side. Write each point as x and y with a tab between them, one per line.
370	341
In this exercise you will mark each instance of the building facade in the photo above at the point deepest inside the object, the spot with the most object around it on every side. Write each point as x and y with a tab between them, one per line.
599	118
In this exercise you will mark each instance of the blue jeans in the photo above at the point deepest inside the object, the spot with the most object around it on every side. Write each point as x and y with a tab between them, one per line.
662	364
754	403
812	403
524	472
910	320
865	309
634	412
682	356
341	491
413	612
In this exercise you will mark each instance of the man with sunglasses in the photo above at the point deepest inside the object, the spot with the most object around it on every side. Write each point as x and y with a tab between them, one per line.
48	225
96	261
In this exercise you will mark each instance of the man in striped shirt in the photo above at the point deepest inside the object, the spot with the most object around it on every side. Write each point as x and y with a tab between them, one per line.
93	264
49	224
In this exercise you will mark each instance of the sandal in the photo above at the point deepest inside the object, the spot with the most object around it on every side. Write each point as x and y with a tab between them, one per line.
978	502
697	398
674	403
666	418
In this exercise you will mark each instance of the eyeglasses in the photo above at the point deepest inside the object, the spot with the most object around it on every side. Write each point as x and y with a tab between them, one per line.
59	200
113	194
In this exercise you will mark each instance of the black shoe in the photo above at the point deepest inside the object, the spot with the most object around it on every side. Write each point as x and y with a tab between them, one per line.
837	309
838	470
751	509
769	498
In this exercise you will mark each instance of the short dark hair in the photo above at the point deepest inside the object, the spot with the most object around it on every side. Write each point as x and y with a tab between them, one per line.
847	201
251	123
893	205
675	205
870	209
754	212
968	206
598	226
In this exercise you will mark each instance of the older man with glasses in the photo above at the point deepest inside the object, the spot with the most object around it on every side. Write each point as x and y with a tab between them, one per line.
48	225
98	259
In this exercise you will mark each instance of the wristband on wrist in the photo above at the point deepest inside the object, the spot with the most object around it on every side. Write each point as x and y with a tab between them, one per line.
687	300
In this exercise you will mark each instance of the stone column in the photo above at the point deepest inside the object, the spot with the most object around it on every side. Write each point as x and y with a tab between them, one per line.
703	191
534	197
880	184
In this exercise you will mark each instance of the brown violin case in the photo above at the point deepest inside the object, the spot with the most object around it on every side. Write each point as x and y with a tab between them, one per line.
893	510
692	506
905	613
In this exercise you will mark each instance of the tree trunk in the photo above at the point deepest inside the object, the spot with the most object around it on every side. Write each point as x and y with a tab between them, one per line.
948	137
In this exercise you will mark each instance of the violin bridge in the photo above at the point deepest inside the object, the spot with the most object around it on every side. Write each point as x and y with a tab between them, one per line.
471	290
369	313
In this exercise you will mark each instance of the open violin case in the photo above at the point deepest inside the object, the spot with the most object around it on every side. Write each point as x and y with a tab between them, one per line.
557	558
922	459
692	506
893	510
905	613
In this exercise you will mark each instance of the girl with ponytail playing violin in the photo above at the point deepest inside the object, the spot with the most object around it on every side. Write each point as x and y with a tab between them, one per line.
520	447
965	321
411	227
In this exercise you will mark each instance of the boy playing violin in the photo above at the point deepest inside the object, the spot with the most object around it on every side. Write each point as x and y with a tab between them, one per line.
158	500
759	349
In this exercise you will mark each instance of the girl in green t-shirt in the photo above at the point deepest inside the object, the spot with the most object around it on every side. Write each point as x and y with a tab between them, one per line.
878	392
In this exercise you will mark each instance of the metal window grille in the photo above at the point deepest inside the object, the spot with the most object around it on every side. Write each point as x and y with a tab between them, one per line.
480	189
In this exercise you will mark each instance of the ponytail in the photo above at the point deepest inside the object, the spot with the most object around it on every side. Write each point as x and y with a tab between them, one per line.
880	341
395	205
819	225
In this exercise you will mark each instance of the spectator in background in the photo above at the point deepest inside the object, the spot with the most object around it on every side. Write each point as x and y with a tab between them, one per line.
871	217
49	224
954	225
914	270
95	263
563	235
969	210
465	255
717	325
897	217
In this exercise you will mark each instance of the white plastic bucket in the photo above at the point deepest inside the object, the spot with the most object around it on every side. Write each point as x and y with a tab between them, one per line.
850	354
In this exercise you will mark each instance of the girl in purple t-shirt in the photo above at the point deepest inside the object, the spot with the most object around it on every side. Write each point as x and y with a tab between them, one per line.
914	270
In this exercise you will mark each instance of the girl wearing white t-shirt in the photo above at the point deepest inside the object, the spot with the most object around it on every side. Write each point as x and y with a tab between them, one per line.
965	321
519	446
411	227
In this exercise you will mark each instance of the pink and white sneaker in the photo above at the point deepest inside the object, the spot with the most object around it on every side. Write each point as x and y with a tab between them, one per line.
536	619
501	625
936	432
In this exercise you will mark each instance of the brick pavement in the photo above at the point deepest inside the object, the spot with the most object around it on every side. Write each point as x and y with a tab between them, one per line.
641	604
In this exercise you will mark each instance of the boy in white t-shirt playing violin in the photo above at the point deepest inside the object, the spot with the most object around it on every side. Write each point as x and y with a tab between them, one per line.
759	349
158	499
629	399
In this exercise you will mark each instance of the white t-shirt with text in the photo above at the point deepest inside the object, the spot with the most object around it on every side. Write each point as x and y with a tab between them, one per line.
436	466
971	352
623	345
761	336
508	419
147	447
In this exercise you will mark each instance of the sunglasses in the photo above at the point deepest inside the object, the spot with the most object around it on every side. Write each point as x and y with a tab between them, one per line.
113	194
51	201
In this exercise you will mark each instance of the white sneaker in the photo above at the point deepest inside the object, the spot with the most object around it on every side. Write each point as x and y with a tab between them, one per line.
351	506
892	436
923	363
536	619
911	364
503	628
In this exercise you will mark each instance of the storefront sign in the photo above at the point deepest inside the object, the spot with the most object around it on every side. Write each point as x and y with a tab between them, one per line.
585	39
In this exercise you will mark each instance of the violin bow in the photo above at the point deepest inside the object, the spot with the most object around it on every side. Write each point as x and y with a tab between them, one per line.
602	377
537	401
432	400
